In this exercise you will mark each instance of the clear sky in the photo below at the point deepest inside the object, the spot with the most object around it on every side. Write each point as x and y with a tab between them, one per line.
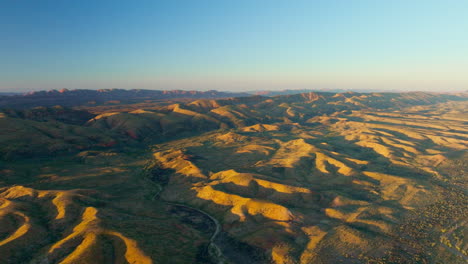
234	45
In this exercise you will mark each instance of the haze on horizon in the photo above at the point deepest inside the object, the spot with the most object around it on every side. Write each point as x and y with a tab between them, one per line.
234	45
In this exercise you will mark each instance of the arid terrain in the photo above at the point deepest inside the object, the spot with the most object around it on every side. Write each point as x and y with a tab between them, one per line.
303	178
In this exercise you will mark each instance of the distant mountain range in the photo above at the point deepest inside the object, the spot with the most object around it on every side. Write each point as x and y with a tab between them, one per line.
83	97
293	91
70	98
298	91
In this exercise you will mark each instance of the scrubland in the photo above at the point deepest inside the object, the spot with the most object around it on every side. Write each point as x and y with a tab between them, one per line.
309	178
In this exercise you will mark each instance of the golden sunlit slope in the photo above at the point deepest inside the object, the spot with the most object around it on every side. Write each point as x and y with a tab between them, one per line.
141	124
84	244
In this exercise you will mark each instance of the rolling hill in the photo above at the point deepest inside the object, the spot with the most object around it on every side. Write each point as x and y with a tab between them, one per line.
298	178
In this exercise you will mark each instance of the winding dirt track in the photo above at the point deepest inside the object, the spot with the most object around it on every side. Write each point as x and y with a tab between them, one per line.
213	249
216	251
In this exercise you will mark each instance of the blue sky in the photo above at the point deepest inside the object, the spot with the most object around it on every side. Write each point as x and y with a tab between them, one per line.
234	45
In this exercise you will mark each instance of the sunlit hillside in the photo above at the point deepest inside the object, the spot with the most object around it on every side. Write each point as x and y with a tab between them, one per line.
306	178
